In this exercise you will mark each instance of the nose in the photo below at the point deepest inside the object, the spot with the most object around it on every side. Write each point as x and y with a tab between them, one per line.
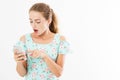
33	25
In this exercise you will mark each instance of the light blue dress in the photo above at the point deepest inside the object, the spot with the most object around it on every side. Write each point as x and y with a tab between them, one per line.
37	67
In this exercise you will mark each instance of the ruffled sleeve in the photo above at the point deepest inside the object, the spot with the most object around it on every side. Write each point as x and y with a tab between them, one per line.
64	47
20	46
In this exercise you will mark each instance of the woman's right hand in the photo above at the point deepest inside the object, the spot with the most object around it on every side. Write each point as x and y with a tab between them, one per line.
19	57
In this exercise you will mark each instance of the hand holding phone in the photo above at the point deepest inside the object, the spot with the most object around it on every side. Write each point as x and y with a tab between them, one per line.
19	53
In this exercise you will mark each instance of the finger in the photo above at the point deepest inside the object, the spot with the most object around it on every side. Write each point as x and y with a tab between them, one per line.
17	59
17	55
20	54
31	54
21	61
36	55
30	51
21	58
15	51
43	51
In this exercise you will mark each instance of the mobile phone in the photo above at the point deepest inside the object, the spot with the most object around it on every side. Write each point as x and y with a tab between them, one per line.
18	48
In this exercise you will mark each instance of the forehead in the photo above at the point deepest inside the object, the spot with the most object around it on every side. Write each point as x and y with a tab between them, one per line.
35	15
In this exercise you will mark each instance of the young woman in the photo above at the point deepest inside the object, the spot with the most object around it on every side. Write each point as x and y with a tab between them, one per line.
43	50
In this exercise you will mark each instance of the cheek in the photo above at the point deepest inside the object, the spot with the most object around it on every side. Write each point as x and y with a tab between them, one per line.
42	27
45	26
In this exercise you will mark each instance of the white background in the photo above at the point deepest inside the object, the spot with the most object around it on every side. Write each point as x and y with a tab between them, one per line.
91	26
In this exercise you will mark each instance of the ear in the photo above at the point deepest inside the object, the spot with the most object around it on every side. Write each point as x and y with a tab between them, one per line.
49	20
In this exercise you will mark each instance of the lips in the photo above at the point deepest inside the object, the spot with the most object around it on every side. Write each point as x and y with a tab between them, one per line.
35	30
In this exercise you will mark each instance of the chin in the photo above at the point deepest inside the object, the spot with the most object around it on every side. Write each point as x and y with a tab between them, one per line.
39	34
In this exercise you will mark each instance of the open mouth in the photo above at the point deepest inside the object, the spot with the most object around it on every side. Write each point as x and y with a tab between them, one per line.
35	30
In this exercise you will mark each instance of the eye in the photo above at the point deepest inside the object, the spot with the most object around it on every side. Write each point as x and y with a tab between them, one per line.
31	21
37	22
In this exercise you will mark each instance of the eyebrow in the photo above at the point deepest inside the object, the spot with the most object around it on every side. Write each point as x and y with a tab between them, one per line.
35	19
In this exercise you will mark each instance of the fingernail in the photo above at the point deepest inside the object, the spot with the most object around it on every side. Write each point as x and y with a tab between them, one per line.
31	54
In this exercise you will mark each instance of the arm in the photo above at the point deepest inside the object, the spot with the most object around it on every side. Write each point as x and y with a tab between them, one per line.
21	66
56	67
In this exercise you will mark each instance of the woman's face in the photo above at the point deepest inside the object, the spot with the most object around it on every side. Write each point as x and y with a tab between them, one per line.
38	22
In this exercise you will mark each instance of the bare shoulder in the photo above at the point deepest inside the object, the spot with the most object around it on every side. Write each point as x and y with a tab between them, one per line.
22	38
62	38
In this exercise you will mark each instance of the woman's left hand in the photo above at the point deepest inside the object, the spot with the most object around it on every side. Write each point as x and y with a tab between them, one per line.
37	53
